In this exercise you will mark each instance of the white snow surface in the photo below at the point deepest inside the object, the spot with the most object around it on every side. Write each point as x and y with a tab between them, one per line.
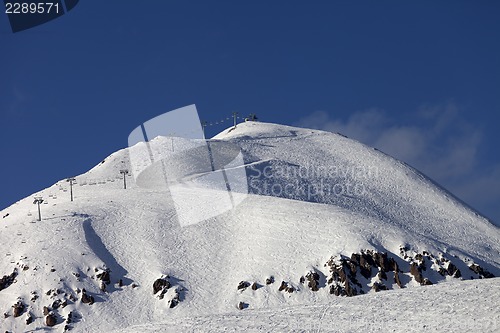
369	201
462	306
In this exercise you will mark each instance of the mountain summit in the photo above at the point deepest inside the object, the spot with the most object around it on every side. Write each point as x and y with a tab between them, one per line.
260	220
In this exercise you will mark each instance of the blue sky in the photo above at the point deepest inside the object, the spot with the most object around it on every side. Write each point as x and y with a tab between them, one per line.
419	80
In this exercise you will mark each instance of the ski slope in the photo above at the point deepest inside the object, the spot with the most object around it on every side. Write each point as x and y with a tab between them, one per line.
464	306
277	229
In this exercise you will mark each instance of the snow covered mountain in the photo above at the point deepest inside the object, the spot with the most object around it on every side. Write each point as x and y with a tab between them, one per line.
325	218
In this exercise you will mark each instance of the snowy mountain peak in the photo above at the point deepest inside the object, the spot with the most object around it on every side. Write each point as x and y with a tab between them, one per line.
262	217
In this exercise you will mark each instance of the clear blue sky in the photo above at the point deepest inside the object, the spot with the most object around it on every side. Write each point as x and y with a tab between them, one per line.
420	80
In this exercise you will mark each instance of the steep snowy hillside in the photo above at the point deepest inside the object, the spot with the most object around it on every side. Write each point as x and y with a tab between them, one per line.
326	216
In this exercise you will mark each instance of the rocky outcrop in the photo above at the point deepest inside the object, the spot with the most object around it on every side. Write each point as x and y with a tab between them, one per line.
69	319
104	276
285	286
243	285
29	318
364	262
343	277
165	286
172	303
416	271
370	270
86	298
161	284
51	320
18	308
397	279
481	272
345	281
56	304
377	286
7	280
34	296
369	260
450	270
313	280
